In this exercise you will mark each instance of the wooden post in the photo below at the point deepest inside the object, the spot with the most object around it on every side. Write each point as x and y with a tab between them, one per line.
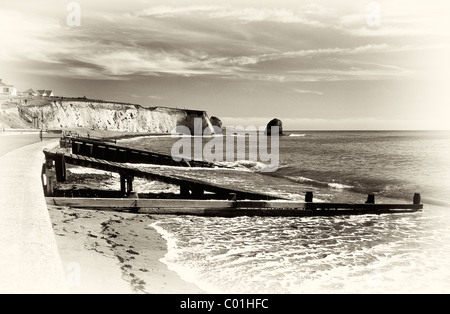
90	149
130	180
111	154
122	184
43	178
309	197
184	191
197	191
60	167
50	176
101	152
416	200
370	199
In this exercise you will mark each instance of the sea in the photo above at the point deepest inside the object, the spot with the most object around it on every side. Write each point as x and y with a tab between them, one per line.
387	253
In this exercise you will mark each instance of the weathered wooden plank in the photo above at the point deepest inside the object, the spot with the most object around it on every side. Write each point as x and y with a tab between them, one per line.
82	157
90	159
230	212
323	206
270	204
91	202
130	155
281	208
144	203
331	206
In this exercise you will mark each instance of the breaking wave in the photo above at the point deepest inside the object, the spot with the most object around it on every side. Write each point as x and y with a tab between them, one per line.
333	185
297	135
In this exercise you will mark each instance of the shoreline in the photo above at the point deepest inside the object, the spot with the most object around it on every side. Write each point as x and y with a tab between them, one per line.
114	253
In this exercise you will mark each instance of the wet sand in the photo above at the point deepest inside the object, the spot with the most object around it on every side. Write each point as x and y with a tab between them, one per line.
111	252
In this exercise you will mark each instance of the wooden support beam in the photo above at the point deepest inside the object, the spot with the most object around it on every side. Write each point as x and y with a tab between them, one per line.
370	199
197	191
115	152
123	180
90	149
130	180
184	191
231	208
141	203
50	177
416	199
60	167
309	197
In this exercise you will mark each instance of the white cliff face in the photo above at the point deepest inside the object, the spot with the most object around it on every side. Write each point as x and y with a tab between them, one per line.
111	116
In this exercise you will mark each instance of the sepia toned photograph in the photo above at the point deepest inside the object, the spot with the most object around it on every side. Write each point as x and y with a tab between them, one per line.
208	149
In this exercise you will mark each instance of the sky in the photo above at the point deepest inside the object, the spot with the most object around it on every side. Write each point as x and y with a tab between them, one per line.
316	65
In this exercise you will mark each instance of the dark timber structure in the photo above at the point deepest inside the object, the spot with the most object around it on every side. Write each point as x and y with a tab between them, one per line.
223	201
128	173
112	152
227	208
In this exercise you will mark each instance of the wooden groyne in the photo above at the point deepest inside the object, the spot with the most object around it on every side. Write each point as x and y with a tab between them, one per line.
222	200
233	208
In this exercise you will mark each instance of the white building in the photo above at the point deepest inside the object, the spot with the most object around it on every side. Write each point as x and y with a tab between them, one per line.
7	90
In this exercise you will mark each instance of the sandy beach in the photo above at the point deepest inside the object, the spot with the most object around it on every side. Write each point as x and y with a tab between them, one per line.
109	252
112	252
100	252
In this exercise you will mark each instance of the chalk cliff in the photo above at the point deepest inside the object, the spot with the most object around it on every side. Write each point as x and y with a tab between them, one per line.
84	113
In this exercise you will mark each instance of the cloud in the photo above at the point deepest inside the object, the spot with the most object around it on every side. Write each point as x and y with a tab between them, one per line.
242	15
25	37
155	97
148	62
305	91
201	40
336	51
128	62
172	11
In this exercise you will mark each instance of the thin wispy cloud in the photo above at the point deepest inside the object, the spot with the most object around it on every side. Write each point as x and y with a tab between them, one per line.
172	11
155	97
305	91
243	15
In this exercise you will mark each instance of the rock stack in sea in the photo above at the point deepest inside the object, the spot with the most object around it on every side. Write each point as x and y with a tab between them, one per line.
276	123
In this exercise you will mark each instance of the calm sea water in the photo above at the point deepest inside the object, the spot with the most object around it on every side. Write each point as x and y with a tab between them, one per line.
399	253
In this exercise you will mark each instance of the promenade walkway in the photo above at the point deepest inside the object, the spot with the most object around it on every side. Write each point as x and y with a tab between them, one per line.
29	258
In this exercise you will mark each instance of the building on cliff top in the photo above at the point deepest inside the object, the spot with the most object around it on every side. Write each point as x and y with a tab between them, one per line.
7	90
29	92
45	93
